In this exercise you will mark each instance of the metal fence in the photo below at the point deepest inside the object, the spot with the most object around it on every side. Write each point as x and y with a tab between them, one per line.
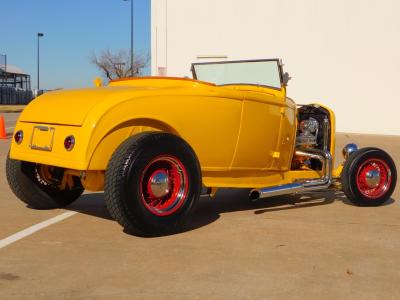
14	96
11	95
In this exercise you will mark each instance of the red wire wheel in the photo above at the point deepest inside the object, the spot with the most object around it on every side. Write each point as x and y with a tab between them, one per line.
373	178
369	177
152	183
164	185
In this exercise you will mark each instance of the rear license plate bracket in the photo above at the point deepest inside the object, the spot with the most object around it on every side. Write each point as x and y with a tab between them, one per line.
42	138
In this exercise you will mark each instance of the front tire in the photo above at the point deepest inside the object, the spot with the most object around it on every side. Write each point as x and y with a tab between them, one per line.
152	183
37	192
369	177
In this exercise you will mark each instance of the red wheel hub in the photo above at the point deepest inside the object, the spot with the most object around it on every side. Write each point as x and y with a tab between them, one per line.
164	185
373	178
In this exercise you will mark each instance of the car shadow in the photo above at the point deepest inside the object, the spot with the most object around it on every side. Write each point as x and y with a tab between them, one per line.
210	209
91	204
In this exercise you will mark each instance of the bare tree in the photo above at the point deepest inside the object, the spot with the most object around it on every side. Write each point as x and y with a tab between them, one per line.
118	65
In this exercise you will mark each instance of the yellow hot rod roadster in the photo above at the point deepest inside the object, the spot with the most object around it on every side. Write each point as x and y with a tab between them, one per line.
154	144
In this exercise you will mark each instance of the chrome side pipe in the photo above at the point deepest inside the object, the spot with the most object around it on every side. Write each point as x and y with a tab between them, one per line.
304	186
324	156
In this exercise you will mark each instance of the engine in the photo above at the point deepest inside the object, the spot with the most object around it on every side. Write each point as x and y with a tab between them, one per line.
307	133
313	131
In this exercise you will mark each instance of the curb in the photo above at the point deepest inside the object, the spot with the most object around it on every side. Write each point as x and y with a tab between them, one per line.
10	111
11	108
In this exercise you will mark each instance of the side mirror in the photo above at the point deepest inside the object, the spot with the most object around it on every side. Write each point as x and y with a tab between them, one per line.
286	78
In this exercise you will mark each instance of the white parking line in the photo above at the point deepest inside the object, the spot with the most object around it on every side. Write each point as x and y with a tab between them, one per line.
30	230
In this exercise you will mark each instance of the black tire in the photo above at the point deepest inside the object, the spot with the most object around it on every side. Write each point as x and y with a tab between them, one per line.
24	180
126	192
357	184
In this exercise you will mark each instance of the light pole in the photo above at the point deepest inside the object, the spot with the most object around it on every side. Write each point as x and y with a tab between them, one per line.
131	36
39	35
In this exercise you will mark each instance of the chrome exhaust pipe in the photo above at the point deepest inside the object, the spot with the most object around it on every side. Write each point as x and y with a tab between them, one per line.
276	191
305	186
324	156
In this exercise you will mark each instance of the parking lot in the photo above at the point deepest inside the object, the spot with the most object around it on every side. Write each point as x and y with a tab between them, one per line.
317	246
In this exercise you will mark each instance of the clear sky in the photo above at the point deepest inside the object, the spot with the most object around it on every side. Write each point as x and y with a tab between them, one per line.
73	30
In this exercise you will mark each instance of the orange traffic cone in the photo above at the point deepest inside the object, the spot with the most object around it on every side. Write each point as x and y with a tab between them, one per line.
3	134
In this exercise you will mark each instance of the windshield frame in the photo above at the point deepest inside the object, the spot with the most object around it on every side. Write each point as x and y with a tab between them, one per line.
279	64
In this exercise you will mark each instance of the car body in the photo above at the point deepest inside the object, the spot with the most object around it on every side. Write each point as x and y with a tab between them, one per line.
244	134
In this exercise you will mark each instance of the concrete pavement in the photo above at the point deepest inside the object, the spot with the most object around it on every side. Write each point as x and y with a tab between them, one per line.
317	246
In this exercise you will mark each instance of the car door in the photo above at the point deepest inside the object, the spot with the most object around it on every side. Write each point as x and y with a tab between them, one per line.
262	113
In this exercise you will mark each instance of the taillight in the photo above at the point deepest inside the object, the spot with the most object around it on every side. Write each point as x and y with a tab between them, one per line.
69	142
18	137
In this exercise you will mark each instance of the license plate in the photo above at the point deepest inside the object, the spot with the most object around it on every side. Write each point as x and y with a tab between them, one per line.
42	138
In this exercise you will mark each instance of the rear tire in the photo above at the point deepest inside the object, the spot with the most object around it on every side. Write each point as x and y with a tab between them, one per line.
152	183
26	183
369	177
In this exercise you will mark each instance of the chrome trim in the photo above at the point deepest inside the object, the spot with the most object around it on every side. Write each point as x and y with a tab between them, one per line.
305	186
276	191
159	184
45	148
42	128
348	150
373	178
326	134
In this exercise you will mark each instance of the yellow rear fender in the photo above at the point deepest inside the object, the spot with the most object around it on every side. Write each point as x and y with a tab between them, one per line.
107	125
103	144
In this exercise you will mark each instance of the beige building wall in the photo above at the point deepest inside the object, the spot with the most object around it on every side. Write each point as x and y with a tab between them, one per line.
343	53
